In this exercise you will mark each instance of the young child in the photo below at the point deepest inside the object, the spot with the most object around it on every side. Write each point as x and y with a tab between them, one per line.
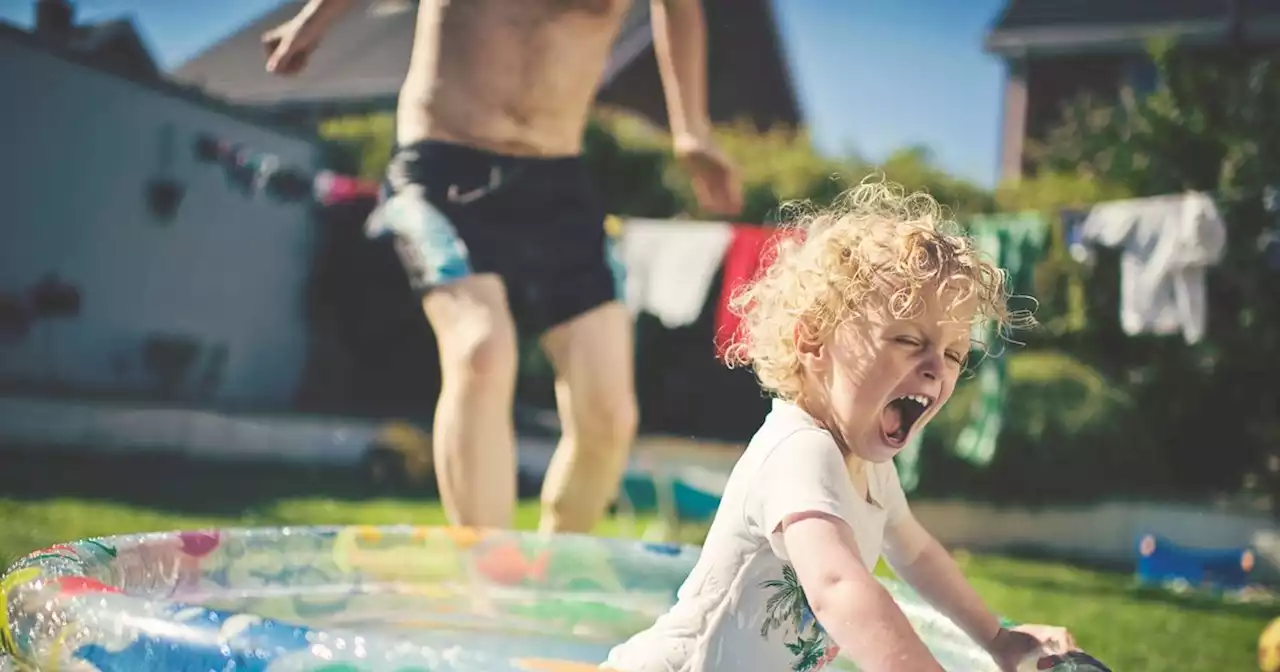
859	329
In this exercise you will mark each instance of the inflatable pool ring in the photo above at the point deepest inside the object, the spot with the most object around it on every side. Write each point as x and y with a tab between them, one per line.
357	599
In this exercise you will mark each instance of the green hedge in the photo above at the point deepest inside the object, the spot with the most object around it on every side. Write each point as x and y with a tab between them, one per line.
1067	437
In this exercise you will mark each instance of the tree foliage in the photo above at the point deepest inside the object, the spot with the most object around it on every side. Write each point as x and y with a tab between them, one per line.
1208	411
634	170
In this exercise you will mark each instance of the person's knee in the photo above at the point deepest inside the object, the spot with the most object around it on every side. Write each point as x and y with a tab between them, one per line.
607	422
477	342
488	352
601	432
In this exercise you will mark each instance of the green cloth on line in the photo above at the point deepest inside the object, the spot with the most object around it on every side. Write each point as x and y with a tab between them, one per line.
1015	242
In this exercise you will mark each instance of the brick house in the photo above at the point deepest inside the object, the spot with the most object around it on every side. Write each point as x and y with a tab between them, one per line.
366	55
1055	51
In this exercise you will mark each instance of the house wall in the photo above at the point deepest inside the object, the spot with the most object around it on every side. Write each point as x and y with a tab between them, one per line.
1014	114
1036	89
227	272
1051	83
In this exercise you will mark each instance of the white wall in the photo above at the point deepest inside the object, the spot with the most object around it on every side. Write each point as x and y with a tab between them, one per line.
77	147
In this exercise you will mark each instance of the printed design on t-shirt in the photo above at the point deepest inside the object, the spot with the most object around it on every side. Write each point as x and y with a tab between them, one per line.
810	644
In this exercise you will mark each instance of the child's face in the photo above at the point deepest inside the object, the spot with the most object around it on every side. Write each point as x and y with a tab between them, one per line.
877	381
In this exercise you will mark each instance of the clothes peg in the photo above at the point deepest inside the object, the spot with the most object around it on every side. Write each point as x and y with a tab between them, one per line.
207	148
289	185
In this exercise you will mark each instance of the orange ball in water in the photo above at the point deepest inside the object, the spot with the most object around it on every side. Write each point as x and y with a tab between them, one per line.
504	565
1269	647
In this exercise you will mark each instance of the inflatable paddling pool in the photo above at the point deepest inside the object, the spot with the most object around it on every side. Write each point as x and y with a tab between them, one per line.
355	599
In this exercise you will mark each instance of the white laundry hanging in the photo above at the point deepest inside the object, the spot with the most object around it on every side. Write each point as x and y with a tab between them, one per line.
670	266
1168	242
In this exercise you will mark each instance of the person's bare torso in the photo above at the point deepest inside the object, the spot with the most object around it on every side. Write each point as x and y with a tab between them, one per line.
516	77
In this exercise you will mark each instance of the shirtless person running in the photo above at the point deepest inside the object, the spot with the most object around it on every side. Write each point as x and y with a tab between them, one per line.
492	211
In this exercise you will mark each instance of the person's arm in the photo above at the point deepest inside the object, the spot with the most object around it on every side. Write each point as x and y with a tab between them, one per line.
324	11
925	564
852	606
798	502
921	561
289	45
680	43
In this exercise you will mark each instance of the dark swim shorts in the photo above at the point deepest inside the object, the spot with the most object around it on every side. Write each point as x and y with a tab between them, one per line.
454	211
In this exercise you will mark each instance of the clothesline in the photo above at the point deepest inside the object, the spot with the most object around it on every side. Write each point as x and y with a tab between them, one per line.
1162	286
1166	244
666	262
256	171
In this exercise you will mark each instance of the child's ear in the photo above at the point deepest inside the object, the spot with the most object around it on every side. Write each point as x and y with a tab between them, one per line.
808	346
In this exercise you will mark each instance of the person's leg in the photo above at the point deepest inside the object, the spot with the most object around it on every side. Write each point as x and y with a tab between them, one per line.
473	440
451	262
570	294
595	395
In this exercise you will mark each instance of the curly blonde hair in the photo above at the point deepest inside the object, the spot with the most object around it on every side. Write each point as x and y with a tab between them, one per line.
875	249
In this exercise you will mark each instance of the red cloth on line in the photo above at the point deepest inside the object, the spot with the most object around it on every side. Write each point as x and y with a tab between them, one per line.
750	252
332	188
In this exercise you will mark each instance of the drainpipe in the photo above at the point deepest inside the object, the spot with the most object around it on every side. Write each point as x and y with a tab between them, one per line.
1235	24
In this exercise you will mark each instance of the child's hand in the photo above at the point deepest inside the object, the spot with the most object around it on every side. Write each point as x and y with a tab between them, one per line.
1014	646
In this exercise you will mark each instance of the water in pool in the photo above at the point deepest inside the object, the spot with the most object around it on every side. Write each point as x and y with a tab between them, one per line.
576	627
357	599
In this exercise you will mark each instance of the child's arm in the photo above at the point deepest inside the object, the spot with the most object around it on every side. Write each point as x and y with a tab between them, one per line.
799	502
920	560
848	601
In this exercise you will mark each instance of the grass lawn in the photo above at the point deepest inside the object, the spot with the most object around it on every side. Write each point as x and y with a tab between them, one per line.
51	500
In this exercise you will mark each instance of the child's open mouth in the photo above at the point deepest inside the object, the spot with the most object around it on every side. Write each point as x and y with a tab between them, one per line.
900	415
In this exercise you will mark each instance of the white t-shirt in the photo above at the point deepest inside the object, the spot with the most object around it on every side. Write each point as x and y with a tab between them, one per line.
742	608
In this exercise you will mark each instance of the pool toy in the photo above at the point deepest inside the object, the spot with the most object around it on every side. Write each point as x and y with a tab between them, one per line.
1160	562
678	490
356	599
690	503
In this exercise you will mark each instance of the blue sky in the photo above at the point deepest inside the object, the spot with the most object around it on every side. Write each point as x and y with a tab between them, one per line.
872	76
